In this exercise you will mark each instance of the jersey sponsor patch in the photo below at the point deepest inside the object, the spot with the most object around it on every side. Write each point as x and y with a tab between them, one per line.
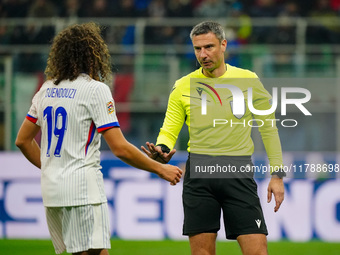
110	107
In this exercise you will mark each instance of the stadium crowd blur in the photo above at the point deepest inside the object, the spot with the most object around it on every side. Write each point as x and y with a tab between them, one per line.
240	10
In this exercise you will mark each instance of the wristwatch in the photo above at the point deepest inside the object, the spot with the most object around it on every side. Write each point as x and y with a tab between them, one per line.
279	173
164	148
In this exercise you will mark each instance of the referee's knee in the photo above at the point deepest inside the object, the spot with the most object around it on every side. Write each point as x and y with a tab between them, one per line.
253	244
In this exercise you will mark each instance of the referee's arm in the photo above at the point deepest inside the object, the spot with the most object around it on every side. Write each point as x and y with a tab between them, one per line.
272	144
267	127
174	119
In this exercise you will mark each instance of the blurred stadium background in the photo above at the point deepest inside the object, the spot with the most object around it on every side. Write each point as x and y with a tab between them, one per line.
287	43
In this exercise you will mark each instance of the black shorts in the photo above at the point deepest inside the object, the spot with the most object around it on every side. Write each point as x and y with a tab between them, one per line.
203	199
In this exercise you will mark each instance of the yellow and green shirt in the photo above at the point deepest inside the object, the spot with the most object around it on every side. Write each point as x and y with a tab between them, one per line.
228	135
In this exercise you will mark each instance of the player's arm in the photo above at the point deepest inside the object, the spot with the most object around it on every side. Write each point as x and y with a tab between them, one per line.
26	143
103	113
134	157
272	144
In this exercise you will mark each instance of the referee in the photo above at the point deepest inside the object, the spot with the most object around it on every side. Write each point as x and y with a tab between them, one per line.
204	197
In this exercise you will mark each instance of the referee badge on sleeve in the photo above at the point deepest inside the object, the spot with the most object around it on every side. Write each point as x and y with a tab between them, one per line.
110	107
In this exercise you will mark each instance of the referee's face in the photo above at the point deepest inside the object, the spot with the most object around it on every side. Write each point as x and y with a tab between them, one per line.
209	52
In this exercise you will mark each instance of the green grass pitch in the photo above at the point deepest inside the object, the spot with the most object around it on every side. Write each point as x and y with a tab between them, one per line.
168	247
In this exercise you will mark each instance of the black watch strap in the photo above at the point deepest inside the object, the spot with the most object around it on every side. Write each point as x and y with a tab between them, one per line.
164	148
279	173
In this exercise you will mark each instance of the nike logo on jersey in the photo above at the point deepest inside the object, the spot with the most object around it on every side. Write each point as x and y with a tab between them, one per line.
258	223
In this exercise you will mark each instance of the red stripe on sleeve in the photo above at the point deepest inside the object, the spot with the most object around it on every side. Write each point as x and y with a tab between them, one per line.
31	118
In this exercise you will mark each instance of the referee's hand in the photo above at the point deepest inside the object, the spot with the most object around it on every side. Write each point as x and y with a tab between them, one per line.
156	153
276	187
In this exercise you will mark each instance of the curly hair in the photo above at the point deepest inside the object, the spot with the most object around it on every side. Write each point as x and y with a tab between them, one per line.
79	49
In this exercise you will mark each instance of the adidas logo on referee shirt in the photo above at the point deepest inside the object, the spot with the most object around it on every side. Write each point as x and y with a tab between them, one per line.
258	223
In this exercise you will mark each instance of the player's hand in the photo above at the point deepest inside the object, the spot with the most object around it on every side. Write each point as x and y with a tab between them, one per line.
156	153
276	187
171	174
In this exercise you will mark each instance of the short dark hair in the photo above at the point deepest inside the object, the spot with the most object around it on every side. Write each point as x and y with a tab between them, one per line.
206	27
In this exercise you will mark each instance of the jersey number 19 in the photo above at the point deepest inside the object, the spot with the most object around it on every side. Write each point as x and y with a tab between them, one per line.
56	123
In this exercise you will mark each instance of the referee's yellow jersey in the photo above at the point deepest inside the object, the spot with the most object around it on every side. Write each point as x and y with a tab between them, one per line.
220	131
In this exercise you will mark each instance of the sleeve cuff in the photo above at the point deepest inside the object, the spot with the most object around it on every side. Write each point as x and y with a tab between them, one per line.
31	118
107	126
